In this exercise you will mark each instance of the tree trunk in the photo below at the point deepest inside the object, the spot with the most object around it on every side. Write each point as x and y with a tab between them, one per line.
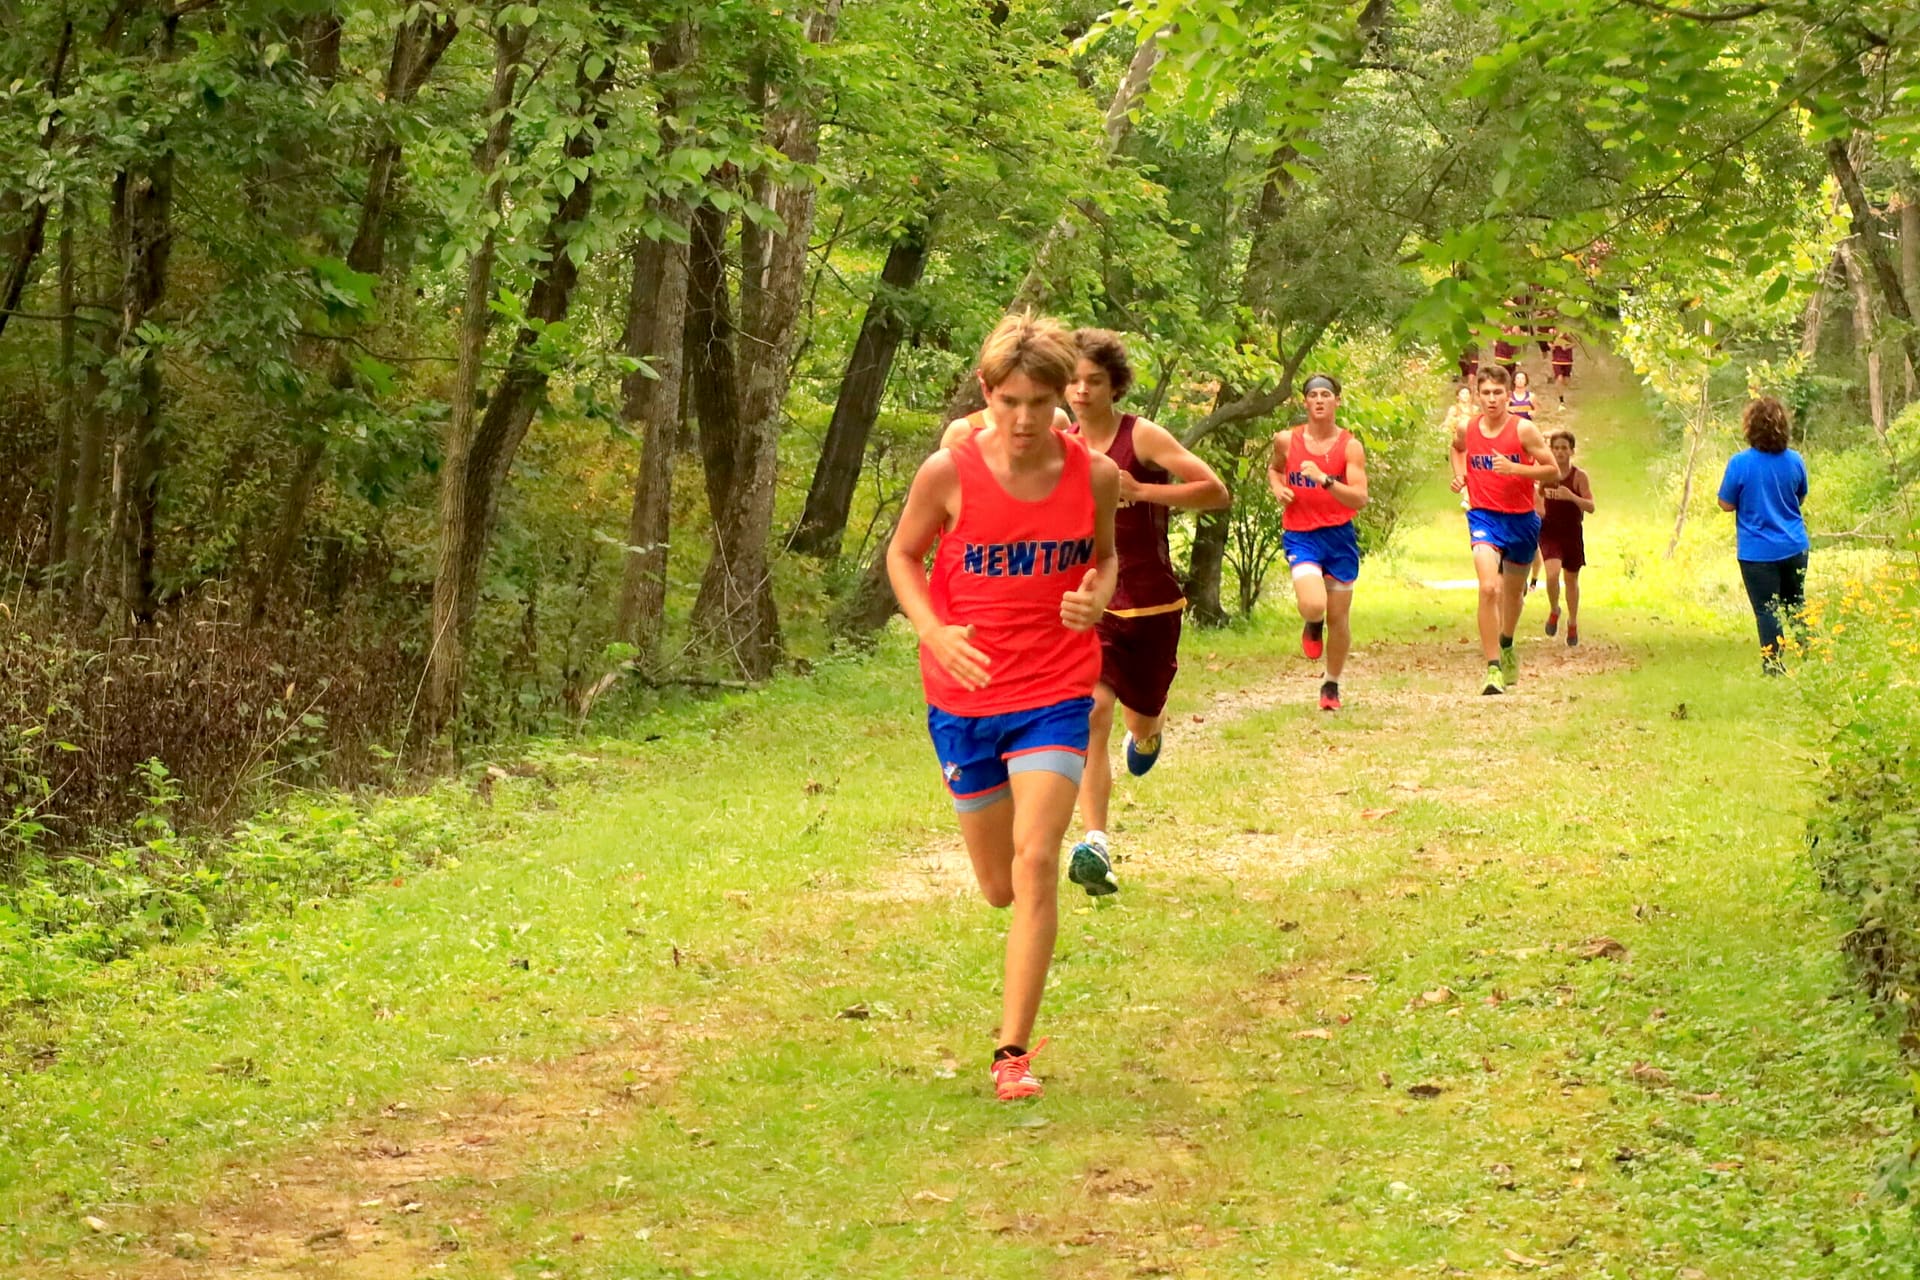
23	247
446	654
1865	338
417	49
1696	435
1813	324
67	381
143	207
735	609
487	456
656	330
1910	272
824	521
1202	585
1866	233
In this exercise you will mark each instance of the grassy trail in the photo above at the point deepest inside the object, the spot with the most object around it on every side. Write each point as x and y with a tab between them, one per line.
1442	986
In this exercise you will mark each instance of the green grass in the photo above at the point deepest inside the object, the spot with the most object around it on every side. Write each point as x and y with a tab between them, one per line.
652	995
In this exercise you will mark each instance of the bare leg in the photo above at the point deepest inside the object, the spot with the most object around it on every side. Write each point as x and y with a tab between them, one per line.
1042	808
1513	598
1573	597
1486	569
1310	593
1553	586
1339	629
1096	785
989	836
1143	728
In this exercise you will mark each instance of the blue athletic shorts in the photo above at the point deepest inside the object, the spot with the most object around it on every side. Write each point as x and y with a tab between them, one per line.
1335	551
1514	534
979	753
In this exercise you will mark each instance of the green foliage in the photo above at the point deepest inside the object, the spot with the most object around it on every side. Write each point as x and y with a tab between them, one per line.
68	915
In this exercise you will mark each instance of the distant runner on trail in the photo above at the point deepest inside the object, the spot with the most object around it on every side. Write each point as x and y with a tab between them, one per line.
1023	516
1497	458
1520	403
1318	474
1140	631
1562	357
1565	503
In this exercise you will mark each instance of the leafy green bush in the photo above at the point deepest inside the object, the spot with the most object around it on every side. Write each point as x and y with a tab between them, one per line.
76	912
1859	674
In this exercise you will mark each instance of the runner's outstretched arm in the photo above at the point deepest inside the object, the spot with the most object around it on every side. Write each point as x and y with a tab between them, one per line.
1198	488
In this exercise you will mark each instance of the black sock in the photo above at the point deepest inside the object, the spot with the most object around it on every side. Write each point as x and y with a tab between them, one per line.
1008	1051
1506	642
1314	629
1330	686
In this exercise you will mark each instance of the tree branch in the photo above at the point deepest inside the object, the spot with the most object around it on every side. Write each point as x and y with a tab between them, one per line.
1739	14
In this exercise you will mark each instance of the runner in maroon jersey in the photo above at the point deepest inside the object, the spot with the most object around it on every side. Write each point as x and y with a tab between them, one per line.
1565	505
1562	355
1140	631
1023	515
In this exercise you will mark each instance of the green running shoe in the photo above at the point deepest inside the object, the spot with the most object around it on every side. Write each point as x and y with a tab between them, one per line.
1090	868
1496	681
1509	667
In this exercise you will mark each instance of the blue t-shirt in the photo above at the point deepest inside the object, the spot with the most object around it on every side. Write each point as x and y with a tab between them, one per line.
1765	490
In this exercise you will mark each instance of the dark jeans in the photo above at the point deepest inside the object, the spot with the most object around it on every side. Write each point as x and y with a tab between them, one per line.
1777	589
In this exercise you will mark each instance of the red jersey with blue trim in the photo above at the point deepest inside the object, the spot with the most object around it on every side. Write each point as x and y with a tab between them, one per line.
1312	506
1002	570
1487	489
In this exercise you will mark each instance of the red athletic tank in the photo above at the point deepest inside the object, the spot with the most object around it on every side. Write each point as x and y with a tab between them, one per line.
1312	506
1002	569
1147	583
1487	490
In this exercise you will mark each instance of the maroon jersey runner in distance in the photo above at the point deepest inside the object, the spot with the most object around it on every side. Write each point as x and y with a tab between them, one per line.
1148	584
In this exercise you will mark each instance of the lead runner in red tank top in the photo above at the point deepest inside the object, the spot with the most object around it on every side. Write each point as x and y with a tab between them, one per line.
1022	514
1140	631
1318	474
1497	459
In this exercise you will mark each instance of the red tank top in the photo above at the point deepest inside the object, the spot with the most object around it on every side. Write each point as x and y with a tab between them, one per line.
1312	506
1002	569
1147	583
1487	490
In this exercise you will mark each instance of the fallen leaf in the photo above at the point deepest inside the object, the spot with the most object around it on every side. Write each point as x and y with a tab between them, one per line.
1439	995
932	1197
1522	1260
857	1012
1602	948
1646	1074
1373	815
1313	1033
1702	1097
1495	998
1386	1081
1425	1090
412	1206
98	1224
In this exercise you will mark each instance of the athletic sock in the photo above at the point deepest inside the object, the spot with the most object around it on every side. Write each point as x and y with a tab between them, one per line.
1315	629
1506	642
1097	837
1008	1051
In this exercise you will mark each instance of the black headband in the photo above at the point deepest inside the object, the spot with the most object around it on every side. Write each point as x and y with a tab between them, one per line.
1317	382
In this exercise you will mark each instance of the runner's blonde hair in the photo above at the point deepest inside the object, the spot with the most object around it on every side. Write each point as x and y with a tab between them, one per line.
1037	346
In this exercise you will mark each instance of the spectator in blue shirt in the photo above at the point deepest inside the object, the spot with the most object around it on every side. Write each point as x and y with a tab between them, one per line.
1764	487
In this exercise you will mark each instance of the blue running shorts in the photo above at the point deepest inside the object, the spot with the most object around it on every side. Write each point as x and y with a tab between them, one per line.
1514	534
979	753
1335	551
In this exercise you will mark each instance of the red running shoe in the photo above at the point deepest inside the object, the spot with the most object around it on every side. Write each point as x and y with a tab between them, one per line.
1573	634
1329	696
1553	621
1310	643
1013	1078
